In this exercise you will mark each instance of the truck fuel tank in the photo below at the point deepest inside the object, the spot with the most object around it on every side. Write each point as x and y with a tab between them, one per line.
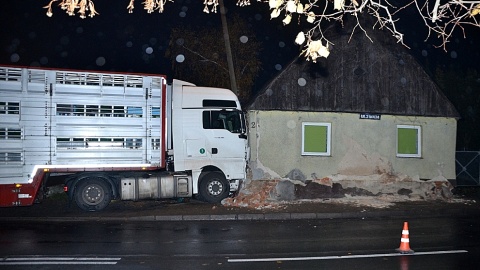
157	186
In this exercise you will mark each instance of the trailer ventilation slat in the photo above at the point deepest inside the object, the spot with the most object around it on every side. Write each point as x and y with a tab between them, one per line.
10	74
36	76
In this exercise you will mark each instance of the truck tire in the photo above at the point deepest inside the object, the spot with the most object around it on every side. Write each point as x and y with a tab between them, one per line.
92	194
214	187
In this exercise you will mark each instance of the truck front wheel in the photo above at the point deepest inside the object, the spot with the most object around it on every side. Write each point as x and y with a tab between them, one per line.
214	187
92	194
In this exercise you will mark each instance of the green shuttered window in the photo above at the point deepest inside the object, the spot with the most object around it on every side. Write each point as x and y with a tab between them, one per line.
409	141
316	139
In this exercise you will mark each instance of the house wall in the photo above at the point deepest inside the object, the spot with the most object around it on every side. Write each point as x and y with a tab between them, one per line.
359	147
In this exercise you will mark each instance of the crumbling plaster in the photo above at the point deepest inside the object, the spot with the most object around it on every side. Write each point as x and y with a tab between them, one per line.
360	148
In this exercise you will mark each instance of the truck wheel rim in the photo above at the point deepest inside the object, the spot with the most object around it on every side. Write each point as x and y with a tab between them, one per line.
93	194
215	188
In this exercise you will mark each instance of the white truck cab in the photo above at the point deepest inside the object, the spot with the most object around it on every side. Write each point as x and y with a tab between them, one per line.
209	135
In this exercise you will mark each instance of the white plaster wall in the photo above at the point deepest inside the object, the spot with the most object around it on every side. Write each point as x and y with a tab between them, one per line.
359	147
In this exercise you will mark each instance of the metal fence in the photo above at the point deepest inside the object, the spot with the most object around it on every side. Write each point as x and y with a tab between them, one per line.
467	167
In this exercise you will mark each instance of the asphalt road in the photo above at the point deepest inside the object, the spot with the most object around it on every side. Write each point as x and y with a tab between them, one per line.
439	243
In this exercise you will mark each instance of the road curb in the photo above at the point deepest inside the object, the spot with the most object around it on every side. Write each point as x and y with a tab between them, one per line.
393	214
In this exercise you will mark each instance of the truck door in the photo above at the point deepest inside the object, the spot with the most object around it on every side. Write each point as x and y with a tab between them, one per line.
228	141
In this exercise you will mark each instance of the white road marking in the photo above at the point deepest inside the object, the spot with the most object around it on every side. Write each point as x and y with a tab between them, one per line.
346	256
34	260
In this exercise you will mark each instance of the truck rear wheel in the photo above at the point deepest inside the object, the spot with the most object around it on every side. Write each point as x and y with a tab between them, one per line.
92	194
214	187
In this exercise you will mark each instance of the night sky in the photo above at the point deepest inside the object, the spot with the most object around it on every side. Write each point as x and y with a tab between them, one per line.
118	41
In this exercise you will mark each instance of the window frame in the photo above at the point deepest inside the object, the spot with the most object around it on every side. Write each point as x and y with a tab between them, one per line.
419	141
208	121
328	138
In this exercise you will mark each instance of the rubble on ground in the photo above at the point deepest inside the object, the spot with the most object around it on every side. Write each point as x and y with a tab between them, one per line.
382	192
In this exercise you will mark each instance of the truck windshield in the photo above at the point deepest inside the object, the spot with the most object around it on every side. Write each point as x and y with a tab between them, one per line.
233	121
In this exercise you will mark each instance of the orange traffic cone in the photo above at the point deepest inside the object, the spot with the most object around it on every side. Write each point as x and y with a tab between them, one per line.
405	241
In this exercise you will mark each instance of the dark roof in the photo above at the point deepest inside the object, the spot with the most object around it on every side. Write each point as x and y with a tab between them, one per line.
358	76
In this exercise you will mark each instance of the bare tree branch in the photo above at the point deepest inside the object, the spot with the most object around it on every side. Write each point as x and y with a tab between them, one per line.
441	18
205	59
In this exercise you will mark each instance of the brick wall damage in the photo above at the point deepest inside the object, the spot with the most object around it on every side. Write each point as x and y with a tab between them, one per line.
265	194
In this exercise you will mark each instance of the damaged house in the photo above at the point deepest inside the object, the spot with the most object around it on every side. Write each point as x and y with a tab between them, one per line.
366	117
